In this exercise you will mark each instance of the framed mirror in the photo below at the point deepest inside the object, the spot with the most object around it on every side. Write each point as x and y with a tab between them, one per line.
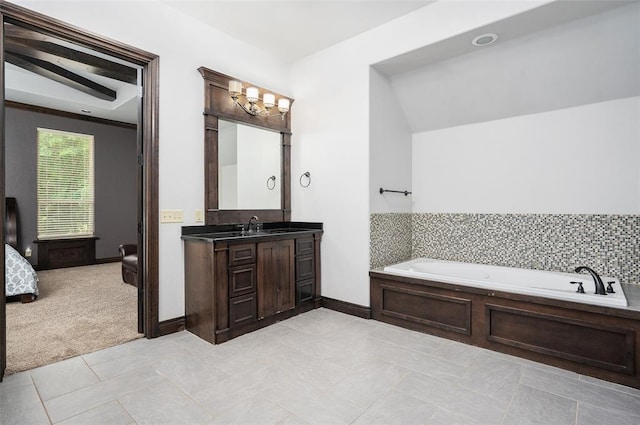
247	156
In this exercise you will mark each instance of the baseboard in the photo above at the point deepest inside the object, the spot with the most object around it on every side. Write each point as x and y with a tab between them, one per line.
347	308
108	260
171	326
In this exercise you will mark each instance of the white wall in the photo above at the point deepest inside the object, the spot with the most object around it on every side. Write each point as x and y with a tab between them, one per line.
330	118
581	160
183	44
331	131
390	149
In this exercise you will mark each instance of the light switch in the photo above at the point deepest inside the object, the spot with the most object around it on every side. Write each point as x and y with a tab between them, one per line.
171	216
199	216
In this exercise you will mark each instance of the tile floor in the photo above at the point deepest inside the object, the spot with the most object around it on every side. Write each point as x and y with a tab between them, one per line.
321	367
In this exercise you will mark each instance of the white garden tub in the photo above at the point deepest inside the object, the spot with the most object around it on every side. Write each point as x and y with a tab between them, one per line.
521	281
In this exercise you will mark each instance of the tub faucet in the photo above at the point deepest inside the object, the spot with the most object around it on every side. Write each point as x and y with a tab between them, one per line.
253	220
596	279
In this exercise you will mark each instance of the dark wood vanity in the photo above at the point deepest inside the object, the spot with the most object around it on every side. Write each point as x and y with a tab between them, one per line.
236	283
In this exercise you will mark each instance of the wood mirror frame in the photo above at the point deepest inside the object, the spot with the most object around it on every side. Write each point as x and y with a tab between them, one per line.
218	104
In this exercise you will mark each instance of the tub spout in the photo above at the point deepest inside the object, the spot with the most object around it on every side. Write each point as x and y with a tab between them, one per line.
596	279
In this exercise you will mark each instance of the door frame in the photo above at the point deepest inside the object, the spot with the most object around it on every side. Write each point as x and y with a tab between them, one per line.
148	278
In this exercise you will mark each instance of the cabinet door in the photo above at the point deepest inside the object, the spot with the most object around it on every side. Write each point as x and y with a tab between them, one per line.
275	277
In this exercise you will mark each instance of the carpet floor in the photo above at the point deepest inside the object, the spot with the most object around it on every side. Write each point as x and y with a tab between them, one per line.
79	310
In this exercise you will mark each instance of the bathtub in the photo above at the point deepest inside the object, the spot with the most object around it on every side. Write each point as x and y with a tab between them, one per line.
522	281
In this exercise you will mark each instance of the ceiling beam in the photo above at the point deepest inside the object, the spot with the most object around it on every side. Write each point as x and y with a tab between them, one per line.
70	58
61	75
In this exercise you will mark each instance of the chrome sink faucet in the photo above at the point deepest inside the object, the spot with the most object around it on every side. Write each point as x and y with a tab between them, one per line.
253	220
596	279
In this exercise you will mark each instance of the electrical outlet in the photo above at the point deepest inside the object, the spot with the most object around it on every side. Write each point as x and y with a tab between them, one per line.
27	252
171	216
199	216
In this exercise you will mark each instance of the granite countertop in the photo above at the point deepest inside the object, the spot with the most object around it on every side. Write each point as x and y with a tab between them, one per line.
232	232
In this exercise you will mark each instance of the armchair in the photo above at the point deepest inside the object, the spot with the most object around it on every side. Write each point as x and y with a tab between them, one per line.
129	255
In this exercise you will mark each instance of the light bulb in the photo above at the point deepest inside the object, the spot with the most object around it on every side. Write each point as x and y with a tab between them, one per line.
252	94
269	100
283	105
235	87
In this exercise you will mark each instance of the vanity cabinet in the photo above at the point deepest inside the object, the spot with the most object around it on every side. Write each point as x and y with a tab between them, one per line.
237	285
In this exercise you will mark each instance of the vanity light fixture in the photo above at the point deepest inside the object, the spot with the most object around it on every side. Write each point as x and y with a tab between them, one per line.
252	96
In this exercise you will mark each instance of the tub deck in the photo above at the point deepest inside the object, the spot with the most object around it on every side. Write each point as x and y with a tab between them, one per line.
600	341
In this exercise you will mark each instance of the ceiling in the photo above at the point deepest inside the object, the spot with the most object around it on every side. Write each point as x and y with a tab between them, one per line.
293	29
543	17
45	71
51	73
560	55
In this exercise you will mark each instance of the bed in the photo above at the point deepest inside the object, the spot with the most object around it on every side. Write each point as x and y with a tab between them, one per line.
21	280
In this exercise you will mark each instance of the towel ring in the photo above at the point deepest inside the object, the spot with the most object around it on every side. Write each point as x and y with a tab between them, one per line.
273	186
308	176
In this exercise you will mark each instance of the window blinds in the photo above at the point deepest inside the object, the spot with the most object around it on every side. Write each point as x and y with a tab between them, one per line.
65	184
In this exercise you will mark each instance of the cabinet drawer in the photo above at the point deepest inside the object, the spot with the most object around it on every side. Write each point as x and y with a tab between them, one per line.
304	267
242	280
305	290
242	254
242	310
304	246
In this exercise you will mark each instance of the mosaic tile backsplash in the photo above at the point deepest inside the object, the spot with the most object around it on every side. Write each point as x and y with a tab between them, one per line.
610	244
390	238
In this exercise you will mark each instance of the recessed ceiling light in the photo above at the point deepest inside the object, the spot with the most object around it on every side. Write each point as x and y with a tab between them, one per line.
86	111
484	39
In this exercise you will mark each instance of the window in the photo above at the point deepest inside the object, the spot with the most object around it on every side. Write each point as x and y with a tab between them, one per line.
65	184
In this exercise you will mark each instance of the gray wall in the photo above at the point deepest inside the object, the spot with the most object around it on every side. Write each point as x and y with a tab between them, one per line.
115	177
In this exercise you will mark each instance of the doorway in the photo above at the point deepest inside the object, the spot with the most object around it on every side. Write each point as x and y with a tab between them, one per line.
147	153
